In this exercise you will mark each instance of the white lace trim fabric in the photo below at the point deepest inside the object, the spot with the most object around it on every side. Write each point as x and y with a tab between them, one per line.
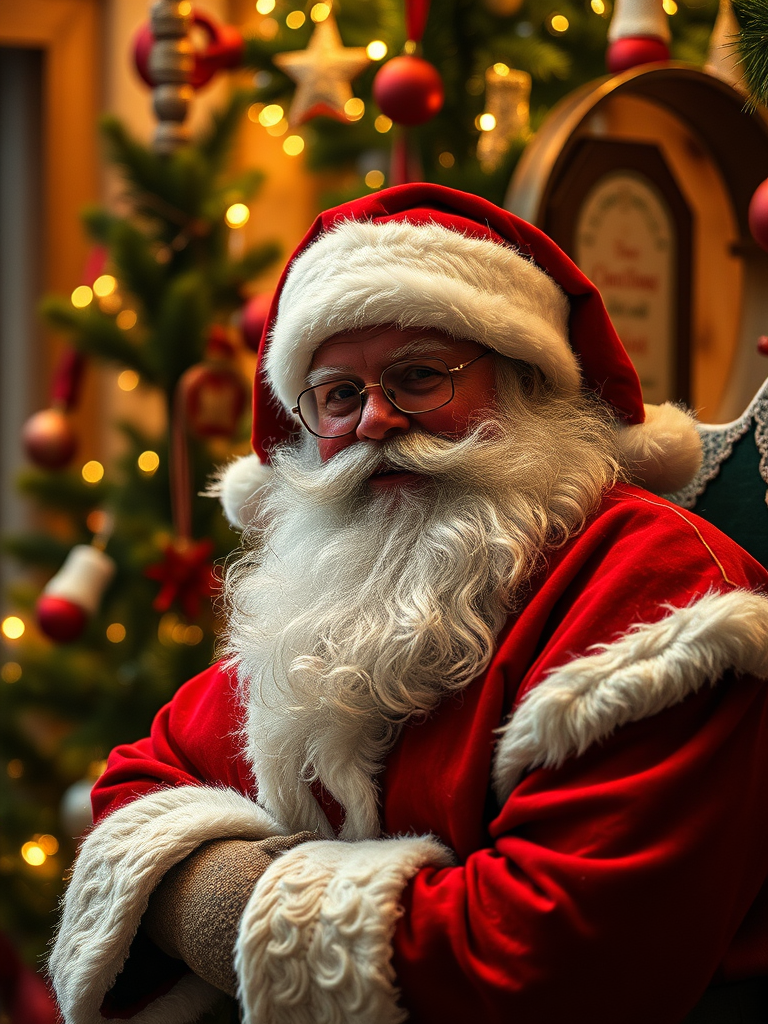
717	446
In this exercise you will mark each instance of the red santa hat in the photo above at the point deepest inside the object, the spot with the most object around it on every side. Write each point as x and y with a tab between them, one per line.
422	255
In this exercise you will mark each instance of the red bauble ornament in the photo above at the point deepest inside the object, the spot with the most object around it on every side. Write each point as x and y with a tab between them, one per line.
48	439
61	620
758	215
253	318
631	51
214	392
74	593
225	49
409	90
762	344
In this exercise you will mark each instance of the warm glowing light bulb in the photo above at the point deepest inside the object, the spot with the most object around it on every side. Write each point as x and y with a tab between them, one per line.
501	69
486	122
10	672
14	769
669	6
293	145
253	112
148	462
268	28
116	632
271	114
92	472
237	215
126	319
382	123
82	296
377	49
559	23
97	520
33	854
276	130
597	6
354	108
49	844
295	19
128	380
13	627
446	159
192	635
185	8
265	6
320	12
104	285
374	179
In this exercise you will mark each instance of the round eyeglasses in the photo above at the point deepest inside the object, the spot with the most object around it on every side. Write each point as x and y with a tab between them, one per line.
335	407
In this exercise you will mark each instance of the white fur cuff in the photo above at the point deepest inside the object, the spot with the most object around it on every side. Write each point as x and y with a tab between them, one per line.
118	867
652	667
315	939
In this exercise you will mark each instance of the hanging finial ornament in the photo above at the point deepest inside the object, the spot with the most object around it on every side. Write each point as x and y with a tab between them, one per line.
170	65
638	34
723	60
322	73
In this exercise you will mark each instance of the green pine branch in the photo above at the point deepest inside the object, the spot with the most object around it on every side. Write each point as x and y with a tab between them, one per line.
753	46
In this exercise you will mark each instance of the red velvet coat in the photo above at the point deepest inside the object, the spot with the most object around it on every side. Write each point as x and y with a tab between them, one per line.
580	835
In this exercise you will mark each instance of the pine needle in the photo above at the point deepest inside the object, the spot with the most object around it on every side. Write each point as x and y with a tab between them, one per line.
753	46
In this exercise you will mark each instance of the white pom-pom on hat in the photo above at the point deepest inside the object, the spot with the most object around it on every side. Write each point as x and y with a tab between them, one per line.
236	485
664	453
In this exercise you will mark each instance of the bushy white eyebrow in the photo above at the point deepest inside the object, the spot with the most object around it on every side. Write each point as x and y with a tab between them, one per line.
417	347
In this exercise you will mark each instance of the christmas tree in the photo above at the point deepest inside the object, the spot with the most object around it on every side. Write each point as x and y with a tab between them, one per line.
160	309
169	287
483	50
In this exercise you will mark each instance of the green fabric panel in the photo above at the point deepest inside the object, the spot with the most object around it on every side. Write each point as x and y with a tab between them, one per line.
735	500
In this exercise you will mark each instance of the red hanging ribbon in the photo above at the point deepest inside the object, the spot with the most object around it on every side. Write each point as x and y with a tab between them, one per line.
416	14
65	390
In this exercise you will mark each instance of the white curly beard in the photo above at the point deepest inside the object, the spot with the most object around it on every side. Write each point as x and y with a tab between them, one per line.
351	611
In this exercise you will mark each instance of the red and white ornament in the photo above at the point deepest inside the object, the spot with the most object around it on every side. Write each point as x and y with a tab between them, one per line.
224	48
758	215
74	594
409	90
638	34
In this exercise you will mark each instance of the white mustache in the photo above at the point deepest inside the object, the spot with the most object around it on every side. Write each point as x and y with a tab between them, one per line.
347	473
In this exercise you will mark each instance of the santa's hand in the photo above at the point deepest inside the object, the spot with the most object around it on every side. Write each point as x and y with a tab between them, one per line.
195	911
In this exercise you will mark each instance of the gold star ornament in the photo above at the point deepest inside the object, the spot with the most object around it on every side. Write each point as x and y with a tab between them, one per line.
322	74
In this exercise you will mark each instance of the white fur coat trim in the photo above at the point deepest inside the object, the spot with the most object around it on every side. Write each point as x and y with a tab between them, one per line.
650	668
117	868
315	938
365	274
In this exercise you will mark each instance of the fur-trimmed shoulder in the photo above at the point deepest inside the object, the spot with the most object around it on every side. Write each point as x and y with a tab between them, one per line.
651	667
118	867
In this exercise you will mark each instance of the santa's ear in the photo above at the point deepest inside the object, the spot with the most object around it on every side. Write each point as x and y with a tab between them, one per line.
236	485
663	453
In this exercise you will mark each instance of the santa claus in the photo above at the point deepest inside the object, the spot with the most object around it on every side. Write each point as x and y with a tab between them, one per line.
489	736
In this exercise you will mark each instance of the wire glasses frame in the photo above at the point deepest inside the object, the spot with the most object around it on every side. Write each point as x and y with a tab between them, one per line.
334	408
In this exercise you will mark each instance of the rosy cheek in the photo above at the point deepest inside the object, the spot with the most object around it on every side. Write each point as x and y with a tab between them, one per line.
328	447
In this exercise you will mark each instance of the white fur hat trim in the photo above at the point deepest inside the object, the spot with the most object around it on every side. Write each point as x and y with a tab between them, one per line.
664	453
236	485
365	274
